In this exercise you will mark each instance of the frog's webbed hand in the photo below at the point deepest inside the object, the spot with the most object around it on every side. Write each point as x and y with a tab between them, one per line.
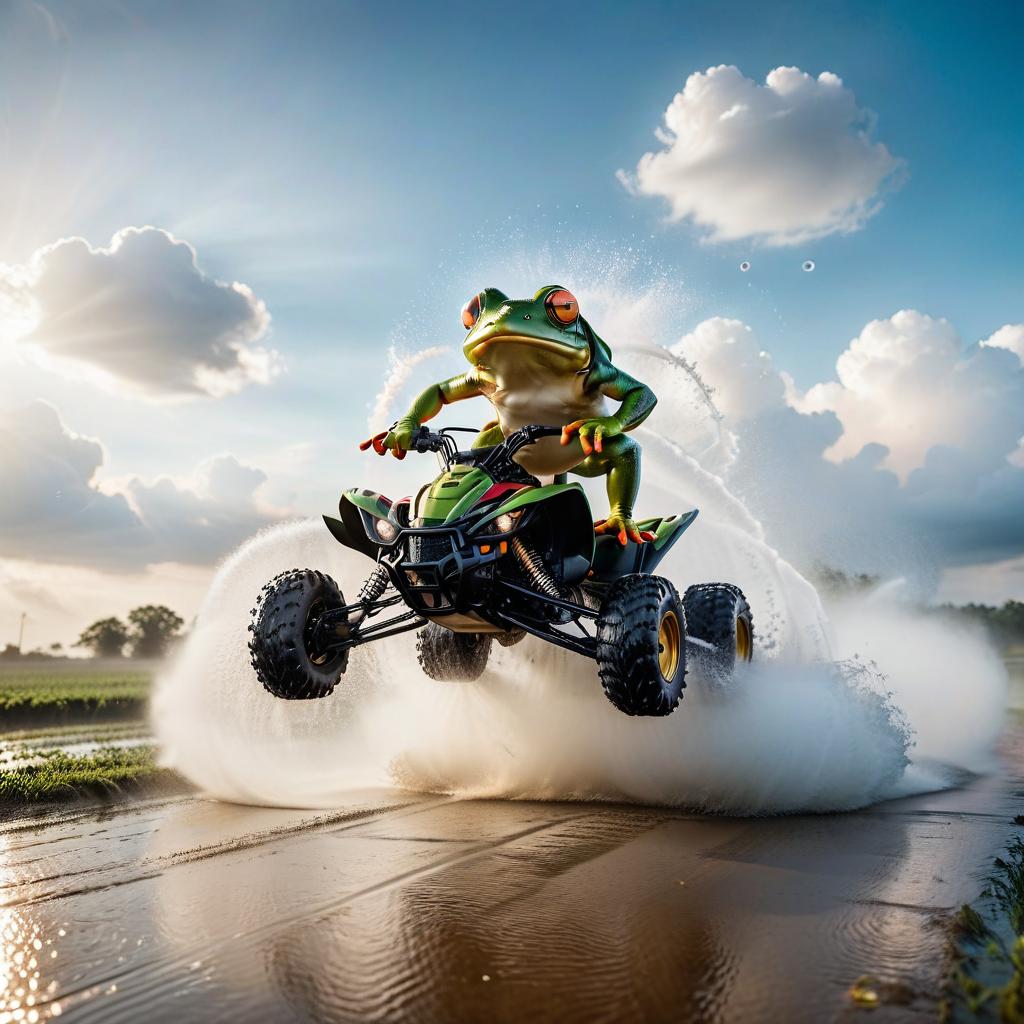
398	440
592	433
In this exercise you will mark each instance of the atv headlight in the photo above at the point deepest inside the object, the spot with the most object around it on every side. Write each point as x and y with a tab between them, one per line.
385	529
506	522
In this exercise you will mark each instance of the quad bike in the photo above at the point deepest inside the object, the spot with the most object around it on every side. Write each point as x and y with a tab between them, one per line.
486	552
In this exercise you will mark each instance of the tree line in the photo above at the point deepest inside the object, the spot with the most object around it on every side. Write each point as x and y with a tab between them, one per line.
1004	623
150	630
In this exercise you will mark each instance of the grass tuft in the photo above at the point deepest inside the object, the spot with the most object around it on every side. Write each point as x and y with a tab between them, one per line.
988	979
63	777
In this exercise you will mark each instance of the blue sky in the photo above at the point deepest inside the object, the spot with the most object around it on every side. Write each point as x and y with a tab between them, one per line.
356	164
327	153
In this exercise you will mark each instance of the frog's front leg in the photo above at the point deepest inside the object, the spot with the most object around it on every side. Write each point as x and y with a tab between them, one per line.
619	460
399	438
490	435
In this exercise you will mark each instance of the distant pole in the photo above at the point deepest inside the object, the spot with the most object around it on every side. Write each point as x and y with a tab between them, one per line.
21	631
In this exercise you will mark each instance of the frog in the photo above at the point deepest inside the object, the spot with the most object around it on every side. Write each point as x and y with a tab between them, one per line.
539	361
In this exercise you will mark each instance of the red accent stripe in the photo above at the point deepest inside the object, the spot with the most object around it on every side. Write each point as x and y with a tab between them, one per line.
499	489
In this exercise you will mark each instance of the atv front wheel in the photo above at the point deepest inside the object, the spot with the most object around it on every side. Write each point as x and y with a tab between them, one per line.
450	657
641	645
282	630
718	614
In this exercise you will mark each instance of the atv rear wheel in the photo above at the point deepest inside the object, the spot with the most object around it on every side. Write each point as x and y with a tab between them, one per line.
641	645
719	614
281	646
452	657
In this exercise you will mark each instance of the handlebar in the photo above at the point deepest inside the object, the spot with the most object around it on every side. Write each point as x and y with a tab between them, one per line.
426	440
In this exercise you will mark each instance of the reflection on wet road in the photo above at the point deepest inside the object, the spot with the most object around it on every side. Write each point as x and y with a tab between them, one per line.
402	906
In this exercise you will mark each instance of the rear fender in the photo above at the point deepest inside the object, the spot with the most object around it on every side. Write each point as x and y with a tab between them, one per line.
666	532
612	559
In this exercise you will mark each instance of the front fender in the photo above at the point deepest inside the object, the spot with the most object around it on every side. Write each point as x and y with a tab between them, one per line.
532	495
570	519
355	508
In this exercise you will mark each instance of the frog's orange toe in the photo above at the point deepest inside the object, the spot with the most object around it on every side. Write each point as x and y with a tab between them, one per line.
626	531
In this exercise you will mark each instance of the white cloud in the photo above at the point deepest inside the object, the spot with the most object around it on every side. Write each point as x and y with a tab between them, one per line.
729	359
905	464
55	510
140	314
906	383
780	163
1009	336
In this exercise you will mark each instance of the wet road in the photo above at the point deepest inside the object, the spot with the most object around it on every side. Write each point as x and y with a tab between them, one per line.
405	907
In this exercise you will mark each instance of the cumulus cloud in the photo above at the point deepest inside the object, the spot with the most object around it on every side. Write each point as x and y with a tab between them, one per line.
904	464
139	313
780	163
55	510
906	383
730	360
1010	337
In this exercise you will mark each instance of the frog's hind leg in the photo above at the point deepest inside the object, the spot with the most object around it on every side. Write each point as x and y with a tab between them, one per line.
490	435
619	463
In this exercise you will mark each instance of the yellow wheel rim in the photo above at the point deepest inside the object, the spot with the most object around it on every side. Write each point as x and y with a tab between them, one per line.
670	643
744	640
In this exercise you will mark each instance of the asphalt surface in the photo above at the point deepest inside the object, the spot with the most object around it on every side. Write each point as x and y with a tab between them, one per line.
406	907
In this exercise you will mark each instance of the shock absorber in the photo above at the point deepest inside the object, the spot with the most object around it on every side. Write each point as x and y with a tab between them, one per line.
534	567
375	585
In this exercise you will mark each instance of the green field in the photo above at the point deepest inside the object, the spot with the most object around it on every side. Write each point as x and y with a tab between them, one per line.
72	729
67	691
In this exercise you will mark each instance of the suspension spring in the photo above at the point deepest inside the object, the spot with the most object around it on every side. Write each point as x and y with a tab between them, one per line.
534	568
375	585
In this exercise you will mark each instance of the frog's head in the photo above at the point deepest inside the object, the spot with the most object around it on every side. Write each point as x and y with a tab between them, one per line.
550	322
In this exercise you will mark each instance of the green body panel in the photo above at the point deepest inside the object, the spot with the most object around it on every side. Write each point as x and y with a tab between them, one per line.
531	495
368	501
451	495
472	487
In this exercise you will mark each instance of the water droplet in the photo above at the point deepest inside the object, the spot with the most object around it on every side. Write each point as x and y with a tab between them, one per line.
745	266
807	266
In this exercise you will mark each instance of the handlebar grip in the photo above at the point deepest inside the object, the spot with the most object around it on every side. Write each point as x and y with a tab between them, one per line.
423	441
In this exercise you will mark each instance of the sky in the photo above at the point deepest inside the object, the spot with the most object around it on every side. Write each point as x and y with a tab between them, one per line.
216	218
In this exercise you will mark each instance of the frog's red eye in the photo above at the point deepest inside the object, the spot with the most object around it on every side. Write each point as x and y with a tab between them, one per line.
471	312
562	307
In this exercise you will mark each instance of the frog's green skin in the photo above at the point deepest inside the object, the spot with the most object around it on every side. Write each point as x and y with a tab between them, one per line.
534	371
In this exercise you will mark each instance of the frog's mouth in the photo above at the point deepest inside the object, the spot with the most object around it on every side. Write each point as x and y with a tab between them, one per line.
577	355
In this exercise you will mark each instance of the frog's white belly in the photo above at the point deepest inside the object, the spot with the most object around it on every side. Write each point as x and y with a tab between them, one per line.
553	403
